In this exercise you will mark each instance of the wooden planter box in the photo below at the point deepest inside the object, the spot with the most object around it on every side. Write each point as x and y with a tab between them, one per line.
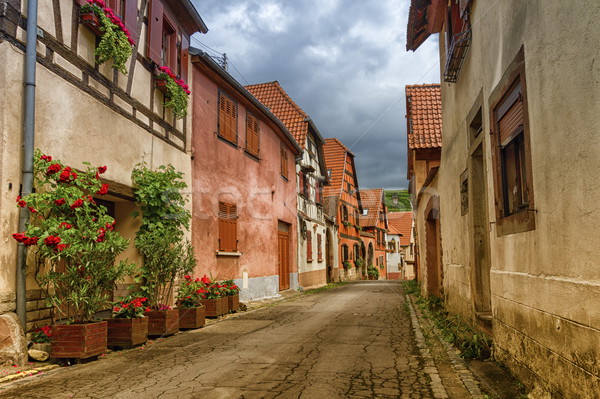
215	307
79	341
127	333
192	317
161	84
233	302
163	322
92	21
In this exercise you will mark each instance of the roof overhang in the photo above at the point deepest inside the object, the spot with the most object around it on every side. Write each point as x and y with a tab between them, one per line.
200	57
192	24
424	18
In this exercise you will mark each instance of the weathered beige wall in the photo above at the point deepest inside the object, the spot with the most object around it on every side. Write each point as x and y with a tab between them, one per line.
75	126
545	283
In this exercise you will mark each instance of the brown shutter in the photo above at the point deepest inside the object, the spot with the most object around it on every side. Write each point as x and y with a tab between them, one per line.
155	27
130	13
509	115
309	245
227	227
252	134
185	47
319	250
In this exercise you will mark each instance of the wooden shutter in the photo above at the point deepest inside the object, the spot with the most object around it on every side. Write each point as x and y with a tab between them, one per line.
227	118
227	227
185	60
510	115
252	134
155	28
319	250
130	14
309	245
284	162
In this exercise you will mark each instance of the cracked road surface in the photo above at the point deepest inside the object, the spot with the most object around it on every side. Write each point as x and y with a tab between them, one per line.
353	341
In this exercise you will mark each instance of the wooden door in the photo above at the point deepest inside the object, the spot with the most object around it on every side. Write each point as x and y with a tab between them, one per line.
284	259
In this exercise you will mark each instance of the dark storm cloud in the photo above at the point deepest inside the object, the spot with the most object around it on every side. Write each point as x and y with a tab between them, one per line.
343	61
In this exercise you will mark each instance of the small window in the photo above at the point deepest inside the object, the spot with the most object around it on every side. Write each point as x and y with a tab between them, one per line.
252	134
284	162
227	124
329	173
227	227
344	252
318	192
169	46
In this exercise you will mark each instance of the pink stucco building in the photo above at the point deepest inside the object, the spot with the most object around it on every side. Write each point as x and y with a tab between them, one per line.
244	191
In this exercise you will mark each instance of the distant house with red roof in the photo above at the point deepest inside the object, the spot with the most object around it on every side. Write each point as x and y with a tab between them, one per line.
424	136
341	199
316	234
401	243
373	221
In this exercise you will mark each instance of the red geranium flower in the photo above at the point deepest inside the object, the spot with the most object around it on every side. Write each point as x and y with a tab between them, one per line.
77	204
205	280
103	190
21	202
32	210
60	201
66	225
46	158
52	169
52	241
60	247
101	169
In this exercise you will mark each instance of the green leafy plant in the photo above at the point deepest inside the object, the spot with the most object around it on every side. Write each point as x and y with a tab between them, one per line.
177	92
347	224
359	262
230	288
190	292
116	40
373	272
73	239
160	240
347	264
41	335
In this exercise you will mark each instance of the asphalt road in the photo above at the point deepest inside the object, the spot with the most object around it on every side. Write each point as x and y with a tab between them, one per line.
353	341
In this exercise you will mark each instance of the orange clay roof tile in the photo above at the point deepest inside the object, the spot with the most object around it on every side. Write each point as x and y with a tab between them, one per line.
273	96
424	113
335	158
402	222
371	200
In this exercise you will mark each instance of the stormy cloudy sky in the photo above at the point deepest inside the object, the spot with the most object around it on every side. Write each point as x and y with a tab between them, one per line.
343	61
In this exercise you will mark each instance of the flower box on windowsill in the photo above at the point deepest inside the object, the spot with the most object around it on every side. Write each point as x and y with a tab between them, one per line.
161	84
92	21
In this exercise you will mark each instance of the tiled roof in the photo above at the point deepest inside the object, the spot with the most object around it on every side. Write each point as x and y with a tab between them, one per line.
392	230
335	158
273	96
424	113
371	200
402	222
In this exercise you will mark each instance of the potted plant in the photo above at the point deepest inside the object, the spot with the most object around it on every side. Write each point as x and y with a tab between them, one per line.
192	314
347	264
175	89
232	293
41	338
167	255
115	40
129	326
373	273
359	262
214	298
74	242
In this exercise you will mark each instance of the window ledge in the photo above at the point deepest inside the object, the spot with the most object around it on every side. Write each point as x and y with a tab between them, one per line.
222	253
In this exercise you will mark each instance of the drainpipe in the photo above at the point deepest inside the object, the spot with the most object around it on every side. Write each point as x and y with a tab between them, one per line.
28	146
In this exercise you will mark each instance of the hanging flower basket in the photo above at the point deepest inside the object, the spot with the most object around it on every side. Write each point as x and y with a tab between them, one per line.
160	84
91	21
80	341
127	333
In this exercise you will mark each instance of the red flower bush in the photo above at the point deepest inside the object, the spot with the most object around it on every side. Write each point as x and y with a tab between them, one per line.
103	190
72	236
41	335
131	307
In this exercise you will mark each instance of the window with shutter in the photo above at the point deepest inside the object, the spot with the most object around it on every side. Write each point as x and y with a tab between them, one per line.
319	248
227	227
309	250
227	125
252	134
284	163
511	155
166	45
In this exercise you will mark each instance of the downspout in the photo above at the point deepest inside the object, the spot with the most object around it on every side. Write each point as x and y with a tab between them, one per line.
28	148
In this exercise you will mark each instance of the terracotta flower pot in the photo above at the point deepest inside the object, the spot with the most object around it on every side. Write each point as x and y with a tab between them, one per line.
190	318
79	341
163	322
127	333
234	302
216	307
92	21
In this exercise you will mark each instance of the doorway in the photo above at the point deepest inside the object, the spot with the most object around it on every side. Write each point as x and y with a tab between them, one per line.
328	256
433	249
283	241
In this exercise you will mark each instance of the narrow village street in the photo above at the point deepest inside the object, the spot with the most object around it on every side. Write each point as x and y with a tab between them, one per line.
353	341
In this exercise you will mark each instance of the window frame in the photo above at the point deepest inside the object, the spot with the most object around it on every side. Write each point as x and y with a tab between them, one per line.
309	248
523	220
